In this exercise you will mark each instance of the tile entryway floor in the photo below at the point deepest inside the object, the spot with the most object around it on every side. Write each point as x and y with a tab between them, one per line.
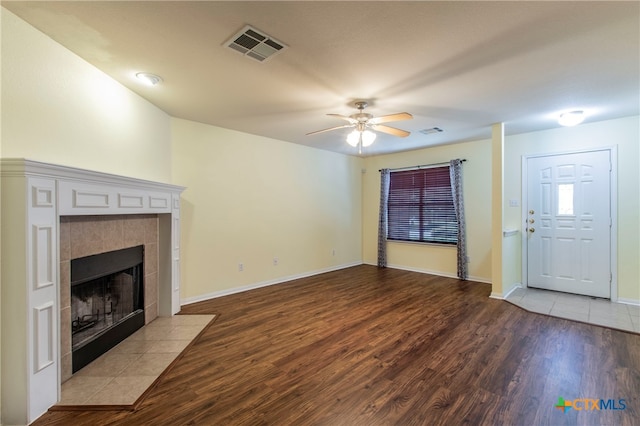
579	308
123	374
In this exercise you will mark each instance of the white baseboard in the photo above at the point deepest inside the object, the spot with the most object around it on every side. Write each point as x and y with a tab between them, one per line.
280	280
495	295
430	272
634	302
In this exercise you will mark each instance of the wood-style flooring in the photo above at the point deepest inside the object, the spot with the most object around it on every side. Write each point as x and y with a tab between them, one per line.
369	346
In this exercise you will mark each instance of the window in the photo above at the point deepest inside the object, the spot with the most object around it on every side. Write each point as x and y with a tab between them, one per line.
565	199
420	206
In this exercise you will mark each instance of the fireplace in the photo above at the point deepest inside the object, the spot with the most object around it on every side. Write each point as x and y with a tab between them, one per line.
45	207
107	302
89	238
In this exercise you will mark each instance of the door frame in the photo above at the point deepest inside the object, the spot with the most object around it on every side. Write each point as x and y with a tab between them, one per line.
613	229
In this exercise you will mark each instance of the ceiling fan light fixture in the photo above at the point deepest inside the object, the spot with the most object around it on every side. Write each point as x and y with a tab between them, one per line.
148	78
353	138
368	137
571	118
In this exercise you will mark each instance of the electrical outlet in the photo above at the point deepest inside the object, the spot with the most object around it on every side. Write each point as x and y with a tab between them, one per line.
275	261
240	267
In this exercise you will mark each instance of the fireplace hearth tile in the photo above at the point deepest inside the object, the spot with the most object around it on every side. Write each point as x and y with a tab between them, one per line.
108	365
151	333
149	364
121	390
184	332
133	365
167	346
181	320
132	347
82	388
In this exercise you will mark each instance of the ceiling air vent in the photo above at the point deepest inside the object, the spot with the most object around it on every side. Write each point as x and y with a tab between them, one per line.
255	44
431	130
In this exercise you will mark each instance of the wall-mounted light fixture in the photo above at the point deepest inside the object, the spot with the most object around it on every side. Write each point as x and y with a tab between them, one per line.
148	78
571	118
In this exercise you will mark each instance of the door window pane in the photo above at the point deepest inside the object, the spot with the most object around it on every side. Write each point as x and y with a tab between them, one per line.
565	198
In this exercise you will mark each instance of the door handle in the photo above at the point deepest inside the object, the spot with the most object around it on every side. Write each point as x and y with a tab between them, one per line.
532	230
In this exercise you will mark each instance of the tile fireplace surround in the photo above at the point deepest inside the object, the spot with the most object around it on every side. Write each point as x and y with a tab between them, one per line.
50	215
82	236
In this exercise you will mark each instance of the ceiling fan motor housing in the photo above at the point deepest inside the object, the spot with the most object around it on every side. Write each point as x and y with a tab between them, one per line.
361	116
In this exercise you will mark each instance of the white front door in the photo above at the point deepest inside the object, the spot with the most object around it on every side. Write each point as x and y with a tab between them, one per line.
569	223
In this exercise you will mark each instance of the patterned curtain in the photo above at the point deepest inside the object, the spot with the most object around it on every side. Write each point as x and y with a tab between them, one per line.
455	171
383	222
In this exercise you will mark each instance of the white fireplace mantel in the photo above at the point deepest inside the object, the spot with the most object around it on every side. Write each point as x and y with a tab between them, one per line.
34	196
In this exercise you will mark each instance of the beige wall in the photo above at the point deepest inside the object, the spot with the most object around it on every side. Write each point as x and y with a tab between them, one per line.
58	108
625	135
250	199
477	195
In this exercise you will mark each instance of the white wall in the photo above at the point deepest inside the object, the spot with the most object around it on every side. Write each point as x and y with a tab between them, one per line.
58	108
623	133
436	259
250	199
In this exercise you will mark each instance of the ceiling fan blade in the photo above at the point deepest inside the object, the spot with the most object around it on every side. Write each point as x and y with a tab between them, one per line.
344	117
330	128
391	117
390	130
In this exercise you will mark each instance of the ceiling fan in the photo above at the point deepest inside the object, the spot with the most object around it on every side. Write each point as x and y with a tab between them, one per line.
362	122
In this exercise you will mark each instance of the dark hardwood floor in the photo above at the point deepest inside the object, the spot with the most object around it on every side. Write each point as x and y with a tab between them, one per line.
369	346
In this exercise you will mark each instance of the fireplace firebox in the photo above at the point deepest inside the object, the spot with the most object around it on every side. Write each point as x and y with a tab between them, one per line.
107	305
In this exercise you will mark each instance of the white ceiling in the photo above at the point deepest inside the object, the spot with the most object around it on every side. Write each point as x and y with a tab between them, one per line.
460	66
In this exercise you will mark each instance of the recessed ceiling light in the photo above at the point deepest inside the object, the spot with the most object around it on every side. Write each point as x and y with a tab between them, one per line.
148	78
571	118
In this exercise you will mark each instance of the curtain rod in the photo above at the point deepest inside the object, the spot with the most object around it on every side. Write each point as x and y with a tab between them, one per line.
423	166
